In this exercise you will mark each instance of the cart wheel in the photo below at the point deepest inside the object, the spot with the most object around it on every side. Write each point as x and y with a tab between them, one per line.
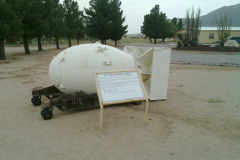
137	103
36	101
46	113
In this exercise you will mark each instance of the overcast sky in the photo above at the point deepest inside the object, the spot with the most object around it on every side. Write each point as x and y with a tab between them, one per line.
134	10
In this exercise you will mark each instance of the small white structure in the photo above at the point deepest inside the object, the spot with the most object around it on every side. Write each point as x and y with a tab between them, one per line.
154	65
231	43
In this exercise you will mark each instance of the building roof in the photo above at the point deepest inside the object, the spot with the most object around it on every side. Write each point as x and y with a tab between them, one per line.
215	28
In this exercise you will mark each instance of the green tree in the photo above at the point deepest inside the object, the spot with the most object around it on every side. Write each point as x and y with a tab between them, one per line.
80	27
224	24
156	25
174	21
169	31
55	19
72	14
180	25
34	23
98	19
42	27
145	28
151	24
117	29
10	26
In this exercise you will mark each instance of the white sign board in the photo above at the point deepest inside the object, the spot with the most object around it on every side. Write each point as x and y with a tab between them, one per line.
120	87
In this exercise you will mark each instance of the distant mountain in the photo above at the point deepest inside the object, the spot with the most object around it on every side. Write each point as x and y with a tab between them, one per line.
233	11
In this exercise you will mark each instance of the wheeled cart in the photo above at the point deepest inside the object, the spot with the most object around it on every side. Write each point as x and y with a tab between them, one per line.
77	101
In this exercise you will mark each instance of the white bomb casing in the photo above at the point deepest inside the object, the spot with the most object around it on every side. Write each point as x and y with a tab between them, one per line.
72	70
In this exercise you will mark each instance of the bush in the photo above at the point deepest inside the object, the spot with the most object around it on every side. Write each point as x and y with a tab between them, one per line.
179	44
183	39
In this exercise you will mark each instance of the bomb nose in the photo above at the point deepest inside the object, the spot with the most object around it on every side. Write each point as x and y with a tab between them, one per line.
55	71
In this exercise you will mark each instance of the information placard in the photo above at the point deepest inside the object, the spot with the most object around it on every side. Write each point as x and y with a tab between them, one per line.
116	87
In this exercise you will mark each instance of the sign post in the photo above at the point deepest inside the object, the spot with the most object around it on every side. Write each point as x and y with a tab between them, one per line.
115	87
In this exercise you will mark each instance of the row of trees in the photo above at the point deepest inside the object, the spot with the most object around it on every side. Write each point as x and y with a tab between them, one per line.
28	19
156	25
10	26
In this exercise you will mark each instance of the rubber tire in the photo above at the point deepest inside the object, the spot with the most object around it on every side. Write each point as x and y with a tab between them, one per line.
46	113
36	101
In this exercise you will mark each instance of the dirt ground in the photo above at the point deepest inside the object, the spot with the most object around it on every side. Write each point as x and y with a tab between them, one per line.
198	121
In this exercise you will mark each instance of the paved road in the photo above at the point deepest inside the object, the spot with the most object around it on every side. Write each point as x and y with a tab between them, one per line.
220	59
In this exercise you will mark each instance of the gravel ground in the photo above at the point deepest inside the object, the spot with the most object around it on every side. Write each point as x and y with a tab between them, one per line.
198	121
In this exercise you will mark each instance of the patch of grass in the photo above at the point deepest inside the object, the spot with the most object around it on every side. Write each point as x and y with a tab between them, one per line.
214	100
